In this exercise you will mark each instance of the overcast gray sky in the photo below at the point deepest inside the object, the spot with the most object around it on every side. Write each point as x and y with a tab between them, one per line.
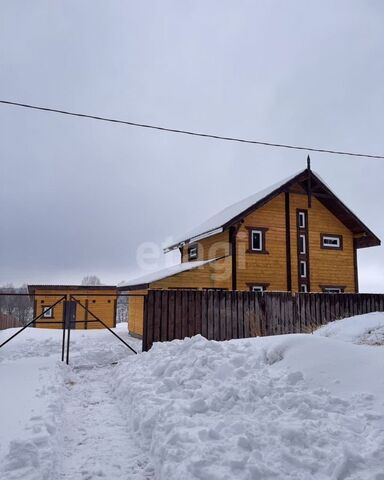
78	196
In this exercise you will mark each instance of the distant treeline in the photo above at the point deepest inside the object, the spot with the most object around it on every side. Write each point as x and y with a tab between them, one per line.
16	307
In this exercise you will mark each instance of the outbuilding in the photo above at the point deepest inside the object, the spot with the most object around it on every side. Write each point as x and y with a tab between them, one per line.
89	302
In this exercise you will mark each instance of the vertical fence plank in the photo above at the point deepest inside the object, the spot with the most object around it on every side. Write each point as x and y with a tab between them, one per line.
216	315
234	315
228	315
191	325
210	314
223	315
246	312
171	316
164	316
198	313
184	313
157	315
204	313
148	321
178	314
240	315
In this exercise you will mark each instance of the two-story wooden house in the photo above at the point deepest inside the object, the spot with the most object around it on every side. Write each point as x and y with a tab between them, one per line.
295	236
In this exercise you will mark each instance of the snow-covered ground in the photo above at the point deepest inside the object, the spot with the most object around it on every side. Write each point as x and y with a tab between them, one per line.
59	422
283	407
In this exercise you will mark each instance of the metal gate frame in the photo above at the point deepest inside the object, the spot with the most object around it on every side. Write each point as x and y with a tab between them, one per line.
69	321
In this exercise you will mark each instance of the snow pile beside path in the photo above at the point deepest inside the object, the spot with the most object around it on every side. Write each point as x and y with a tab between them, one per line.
284	407
362	329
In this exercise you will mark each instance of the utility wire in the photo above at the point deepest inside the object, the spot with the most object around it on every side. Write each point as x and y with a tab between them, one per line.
187	132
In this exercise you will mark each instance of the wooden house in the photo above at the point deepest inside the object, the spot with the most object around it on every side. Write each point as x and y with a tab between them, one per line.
296	236
100	301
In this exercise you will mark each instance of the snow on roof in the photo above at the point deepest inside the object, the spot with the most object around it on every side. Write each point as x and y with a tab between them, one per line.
214	224
165	272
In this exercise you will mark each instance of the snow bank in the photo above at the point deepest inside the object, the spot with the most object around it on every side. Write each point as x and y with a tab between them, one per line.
362	329
292	407
285	407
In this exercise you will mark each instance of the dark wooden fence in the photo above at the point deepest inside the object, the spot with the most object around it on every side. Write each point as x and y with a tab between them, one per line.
222	315
7	321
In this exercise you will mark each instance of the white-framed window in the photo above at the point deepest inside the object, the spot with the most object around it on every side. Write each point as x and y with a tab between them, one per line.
302	244
303	288
301	217
303	269
333	290
192	252
258	288
47	311
331	241
257	241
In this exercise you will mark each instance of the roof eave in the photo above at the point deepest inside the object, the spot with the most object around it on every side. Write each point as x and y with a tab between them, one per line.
139	286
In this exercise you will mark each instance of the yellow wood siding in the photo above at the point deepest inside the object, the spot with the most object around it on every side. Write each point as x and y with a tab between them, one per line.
214	275
136	312
101	306
215	246
261	268
327	267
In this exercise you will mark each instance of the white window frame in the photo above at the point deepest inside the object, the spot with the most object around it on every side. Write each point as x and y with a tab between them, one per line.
258	288
304	250
332	290
302	220
47	311
260	233
330	245
303	288
192	252
303	272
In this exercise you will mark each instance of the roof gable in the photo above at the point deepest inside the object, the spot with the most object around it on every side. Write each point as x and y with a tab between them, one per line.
236	212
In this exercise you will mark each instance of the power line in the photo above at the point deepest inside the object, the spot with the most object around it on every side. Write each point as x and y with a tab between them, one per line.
196	134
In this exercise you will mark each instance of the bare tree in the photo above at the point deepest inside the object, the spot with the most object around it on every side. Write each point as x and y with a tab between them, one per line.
91	280
19	307
121	307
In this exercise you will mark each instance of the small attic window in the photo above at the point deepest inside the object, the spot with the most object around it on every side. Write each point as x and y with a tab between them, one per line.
192	252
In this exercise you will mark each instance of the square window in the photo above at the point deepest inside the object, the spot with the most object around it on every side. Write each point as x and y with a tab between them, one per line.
302	219
47	312
257	240
302	244
192	252
303	268
303	288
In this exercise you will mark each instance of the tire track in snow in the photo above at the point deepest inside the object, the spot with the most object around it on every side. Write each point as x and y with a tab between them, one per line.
96	441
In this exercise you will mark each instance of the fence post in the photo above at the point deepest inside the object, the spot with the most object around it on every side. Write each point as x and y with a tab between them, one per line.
70	316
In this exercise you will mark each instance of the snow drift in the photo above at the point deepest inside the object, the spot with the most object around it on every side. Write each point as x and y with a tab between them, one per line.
286	407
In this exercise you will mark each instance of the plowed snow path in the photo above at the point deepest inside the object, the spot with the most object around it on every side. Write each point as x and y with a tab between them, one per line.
97	442
60	422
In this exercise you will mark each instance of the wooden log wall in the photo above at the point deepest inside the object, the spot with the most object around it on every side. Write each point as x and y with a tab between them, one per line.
224	315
